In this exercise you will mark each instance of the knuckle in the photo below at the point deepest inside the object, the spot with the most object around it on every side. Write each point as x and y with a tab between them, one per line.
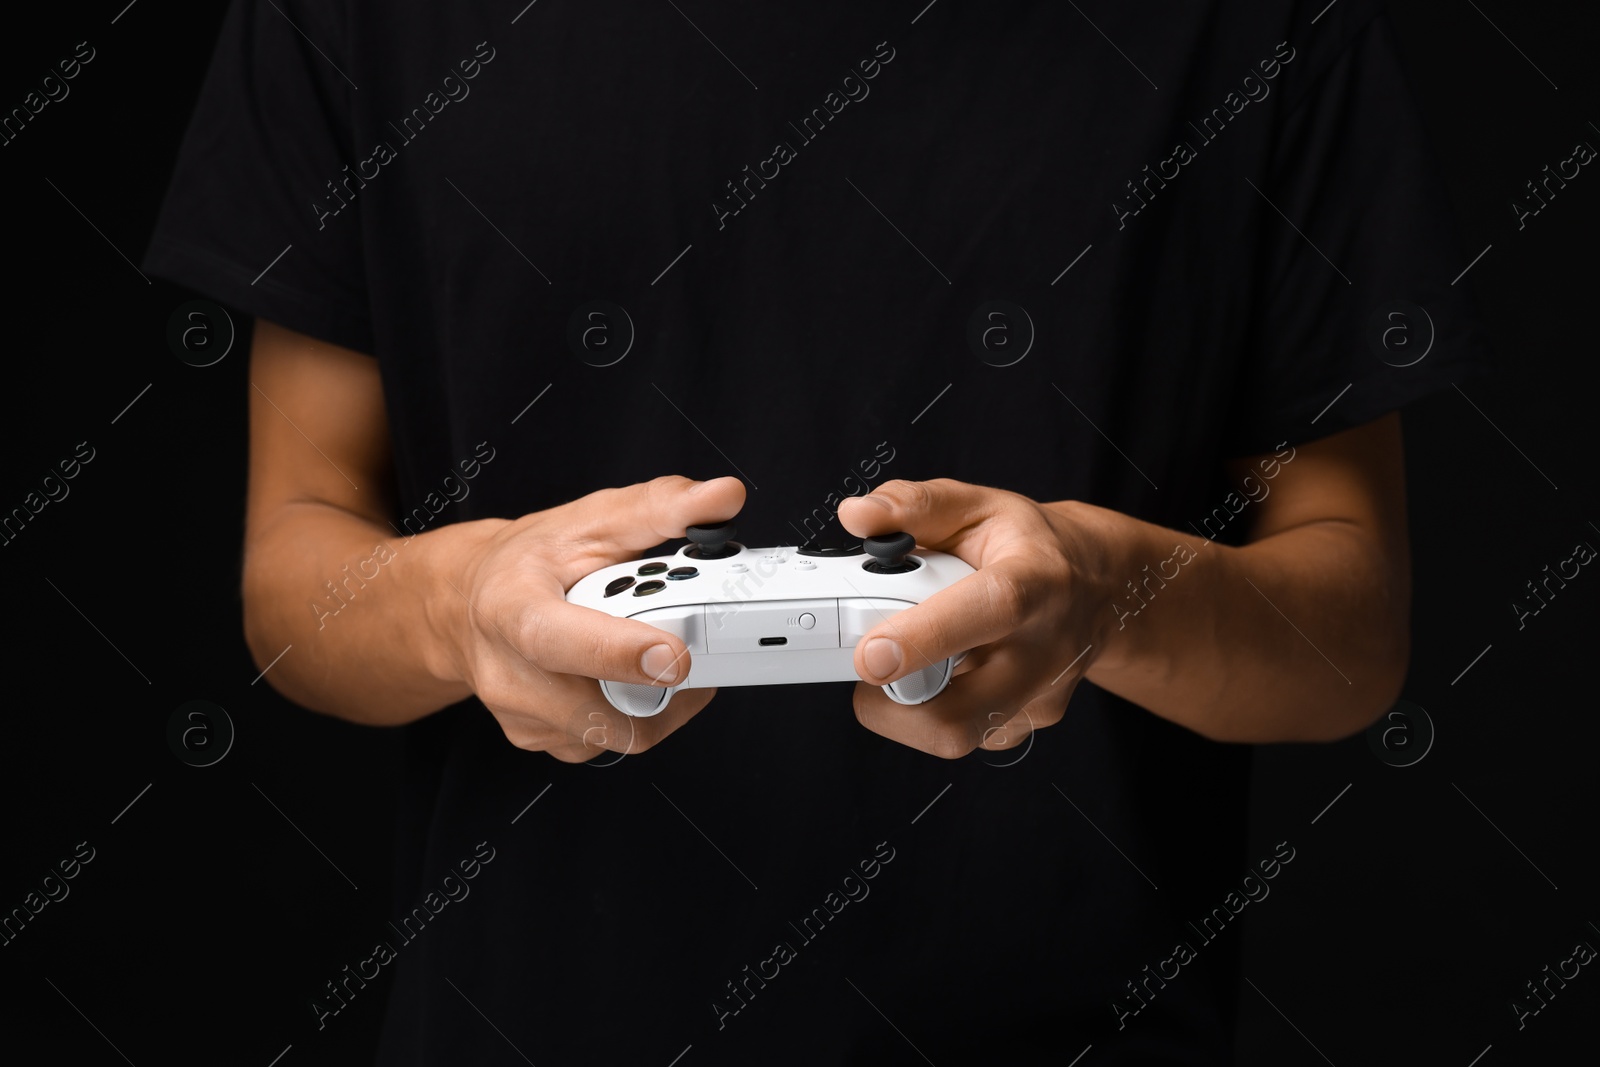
532	632
906	493
1007	597
614	657
925	645
951	742
662	488
1047	716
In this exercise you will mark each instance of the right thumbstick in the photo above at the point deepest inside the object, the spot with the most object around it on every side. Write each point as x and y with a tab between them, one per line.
891	554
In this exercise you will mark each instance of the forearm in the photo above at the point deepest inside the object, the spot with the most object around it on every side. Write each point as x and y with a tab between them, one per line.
362	611
1300	636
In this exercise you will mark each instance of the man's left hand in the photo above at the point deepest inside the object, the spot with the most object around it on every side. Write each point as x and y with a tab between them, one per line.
1032	614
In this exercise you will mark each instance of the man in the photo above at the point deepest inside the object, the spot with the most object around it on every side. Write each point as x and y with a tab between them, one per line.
1104	307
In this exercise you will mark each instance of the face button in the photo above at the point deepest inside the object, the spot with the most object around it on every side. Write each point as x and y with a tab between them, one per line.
807	621
652	586
618	585
652	568
678	574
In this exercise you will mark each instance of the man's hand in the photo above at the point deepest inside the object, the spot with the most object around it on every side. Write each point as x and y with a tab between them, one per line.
532	658
465	607
1300	634
1030	616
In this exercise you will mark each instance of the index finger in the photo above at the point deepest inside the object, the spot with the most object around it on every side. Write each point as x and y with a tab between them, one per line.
935	512
633	518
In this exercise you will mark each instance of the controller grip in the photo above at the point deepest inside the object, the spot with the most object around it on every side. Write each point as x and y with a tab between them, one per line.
919	687
640	701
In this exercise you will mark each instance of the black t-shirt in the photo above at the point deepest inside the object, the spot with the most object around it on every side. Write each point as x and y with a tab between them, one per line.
822	246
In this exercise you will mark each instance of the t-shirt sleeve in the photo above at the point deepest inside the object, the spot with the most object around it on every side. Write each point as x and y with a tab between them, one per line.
1356	313
245	218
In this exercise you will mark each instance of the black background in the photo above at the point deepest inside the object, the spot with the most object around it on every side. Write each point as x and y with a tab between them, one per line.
1400	935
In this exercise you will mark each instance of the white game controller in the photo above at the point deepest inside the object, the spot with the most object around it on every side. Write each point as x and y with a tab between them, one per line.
770	616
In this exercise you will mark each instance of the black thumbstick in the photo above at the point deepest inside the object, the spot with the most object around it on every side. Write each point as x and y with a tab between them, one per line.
890	554
711	541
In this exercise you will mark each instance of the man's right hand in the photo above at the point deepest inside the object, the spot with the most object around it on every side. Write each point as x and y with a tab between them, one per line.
476	607
532	658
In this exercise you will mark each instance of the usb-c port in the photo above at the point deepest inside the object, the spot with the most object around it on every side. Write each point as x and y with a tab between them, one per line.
774	640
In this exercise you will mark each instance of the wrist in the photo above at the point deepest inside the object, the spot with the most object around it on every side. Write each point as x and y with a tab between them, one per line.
1110	554
448	559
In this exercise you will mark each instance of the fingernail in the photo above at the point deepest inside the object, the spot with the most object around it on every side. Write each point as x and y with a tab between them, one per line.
882	657
659	664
